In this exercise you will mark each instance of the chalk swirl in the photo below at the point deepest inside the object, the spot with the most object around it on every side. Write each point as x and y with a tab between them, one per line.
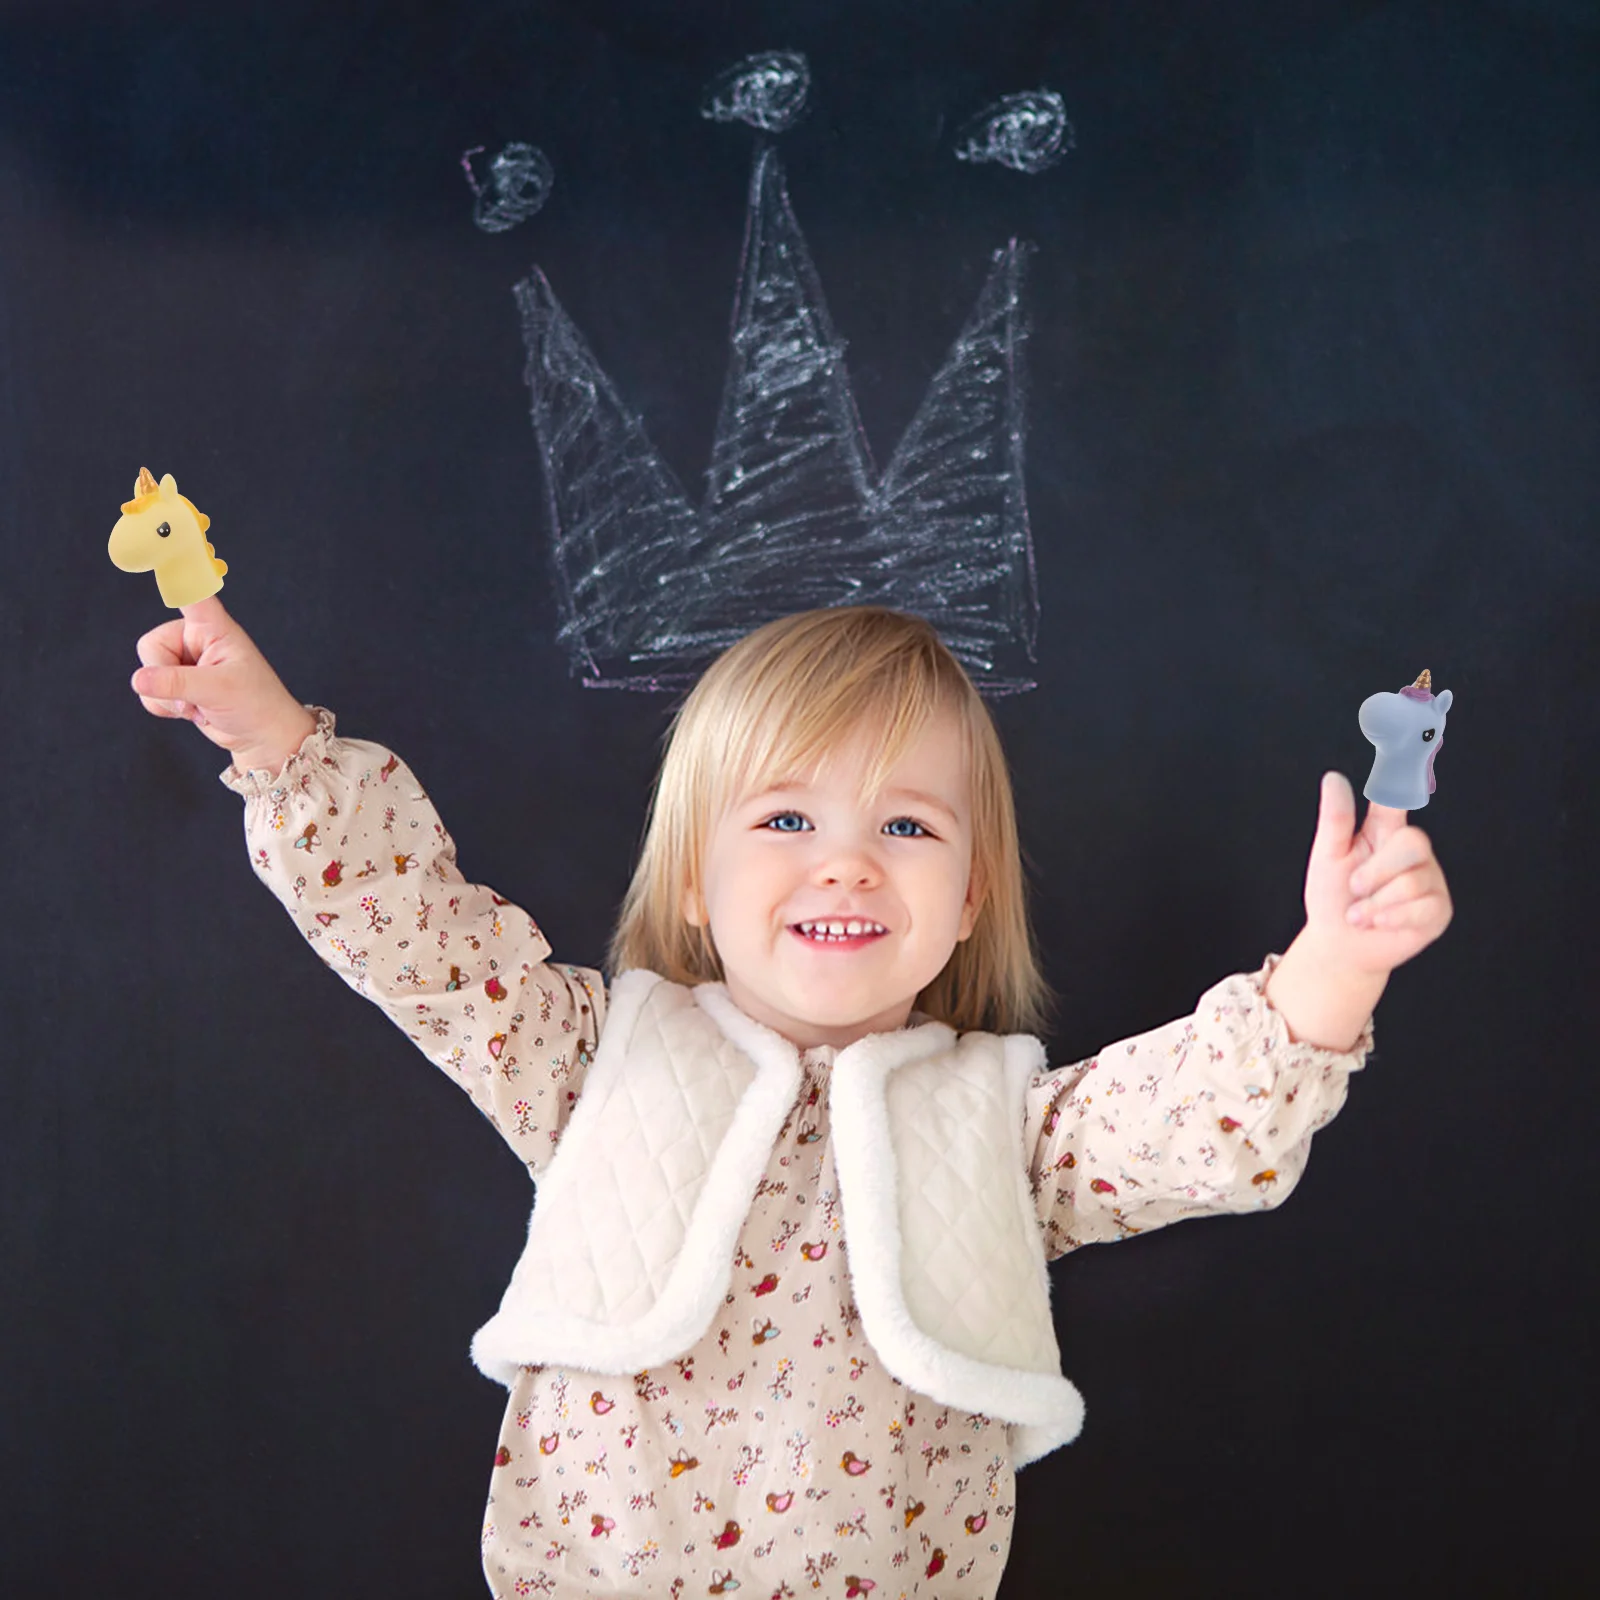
768	91
1027	132
520	180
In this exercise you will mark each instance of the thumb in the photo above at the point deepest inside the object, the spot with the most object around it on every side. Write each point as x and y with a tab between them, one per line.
1336	818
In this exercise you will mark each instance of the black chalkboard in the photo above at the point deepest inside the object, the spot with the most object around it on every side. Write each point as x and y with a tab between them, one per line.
1308	296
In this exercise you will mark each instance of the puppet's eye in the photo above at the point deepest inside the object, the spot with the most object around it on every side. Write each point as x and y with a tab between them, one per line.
164	529
1427	735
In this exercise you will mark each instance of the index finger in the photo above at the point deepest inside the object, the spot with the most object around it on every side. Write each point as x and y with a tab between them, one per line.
209	612
163	646
1381	823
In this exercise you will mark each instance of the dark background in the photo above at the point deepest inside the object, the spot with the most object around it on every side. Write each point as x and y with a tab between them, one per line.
1314	405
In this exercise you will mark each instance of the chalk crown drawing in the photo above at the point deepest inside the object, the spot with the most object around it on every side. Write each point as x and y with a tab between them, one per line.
794	515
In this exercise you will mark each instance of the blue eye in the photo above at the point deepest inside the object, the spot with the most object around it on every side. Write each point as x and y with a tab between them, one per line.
898	828
787	822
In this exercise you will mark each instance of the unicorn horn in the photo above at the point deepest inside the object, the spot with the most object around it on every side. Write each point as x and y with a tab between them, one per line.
1425	681
145	484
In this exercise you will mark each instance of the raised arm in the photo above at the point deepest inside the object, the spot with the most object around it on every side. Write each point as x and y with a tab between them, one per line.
345	837
349	842
1211	1113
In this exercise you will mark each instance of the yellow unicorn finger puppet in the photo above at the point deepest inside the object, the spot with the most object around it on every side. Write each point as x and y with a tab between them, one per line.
159	528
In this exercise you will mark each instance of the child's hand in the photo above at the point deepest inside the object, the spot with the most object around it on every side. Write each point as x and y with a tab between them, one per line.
205	668
1373	899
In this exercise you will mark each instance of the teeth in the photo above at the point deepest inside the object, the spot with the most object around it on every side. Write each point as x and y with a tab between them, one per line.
840	930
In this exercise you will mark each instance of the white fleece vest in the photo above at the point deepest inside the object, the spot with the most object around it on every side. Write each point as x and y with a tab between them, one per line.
631	1245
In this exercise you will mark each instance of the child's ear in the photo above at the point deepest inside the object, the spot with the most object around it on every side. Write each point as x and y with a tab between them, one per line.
693	907
970	908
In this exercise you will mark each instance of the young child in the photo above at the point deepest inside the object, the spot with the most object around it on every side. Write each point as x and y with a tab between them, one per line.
782	1320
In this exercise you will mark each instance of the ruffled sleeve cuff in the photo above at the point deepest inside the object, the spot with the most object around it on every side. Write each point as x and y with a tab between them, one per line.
1267	1022
320	747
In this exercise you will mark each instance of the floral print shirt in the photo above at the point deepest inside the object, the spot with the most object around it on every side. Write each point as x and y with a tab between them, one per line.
778	1457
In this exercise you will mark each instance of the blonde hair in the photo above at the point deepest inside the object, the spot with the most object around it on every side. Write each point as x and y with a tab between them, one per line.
773	706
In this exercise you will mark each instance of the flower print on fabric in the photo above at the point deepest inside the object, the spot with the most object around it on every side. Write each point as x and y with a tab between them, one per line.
1210	1114
777	1457
462	971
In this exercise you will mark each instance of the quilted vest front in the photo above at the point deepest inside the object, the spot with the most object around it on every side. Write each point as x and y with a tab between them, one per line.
630	1249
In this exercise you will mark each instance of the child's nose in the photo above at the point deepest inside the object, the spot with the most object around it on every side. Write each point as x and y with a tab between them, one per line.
852	868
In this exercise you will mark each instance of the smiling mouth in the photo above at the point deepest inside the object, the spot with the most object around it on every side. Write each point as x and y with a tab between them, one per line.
854	931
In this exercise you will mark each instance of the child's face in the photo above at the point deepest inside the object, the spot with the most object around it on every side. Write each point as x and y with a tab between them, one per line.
813	851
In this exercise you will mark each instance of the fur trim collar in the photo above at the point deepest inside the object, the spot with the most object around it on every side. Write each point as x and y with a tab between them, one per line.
630	1250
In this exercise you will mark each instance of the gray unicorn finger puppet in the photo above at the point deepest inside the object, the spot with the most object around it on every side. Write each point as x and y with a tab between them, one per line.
1408	729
